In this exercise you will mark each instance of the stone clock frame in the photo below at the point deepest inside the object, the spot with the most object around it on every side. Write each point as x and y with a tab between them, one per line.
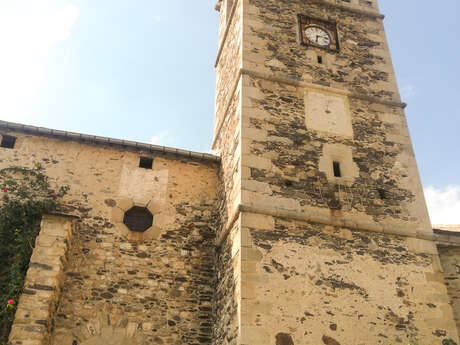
330	27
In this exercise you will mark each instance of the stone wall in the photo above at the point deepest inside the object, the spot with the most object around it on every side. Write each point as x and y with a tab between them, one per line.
308	275
271	247
363	65
306	283
228	63
227	122
283	164
448	242
300	115
450	259
227	142
118	287
37	306
227	303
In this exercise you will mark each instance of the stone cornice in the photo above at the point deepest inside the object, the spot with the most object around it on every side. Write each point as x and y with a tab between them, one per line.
97	140
449	238
302	83
314	218
367	13
297	83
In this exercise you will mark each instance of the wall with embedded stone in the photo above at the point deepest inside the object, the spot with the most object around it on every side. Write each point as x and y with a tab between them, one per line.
305	283
317	281
300	115
227	121
118	286
363	64
43	283
228	62
227	302
259	250
450	260
227	142
289	165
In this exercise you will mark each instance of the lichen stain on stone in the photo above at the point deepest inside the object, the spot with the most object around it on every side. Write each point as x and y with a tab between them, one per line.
305	189
284	339
337	282
329	341
381	248
110	202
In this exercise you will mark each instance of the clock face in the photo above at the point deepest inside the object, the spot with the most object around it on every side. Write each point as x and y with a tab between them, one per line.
318	36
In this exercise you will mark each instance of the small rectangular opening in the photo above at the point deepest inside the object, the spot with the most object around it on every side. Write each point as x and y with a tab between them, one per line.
320	59
8	141
146	162
382	193
336	167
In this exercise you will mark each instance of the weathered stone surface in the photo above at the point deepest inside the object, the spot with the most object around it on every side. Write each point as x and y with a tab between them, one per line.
108	275
275	245
450	260
284	339
281	123
37	306
316	281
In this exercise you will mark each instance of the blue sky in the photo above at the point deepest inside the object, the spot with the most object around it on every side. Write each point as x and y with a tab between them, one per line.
143	70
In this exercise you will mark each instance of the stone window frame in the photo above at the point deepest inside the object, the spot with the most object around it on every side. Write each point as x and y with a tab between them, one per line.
124	205
336	168
137	219
8	141
146	162
343	154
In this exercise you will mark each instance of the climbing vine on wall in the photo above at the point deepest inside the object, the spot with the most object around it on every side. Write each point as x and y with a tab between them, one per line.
25	195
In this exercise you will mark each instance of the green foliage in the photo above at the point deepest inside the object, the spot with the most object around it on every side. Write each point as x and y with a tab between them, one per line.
448	342
27	195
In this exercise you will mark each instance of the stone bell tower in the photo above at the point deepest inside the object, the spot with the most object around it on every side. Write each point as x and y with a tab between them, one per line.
326	237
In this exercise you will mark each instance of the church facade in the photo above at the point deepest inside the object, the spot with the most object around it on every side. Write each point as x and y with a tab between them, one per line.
308	226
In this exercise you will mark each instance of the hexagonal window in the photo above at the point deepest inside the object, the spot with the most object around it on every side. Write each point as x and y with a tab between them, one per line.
138	219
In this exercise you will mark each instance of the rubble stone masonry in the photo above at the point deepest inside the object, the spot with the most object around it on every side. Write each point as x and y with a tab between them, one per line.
116	289
450	259
311	229
324	259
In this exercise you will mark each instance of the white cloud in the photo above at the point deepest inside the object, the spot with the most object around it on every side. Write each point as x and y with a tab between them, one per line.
29	29
407	91
161	138
443	204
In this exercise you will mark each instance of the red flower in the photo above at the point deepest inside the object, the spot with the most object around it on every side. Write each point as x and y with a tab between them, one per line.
54	195
5	189
10	302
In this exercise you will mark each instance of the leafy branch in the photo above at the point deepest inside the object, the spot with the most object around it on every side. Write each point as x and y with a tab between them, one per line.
25	196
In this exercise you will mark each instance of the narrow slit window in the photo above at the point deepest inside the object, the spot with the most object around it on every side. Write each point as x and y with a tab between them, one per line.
382	193
146	162
320	59
336	168
8	141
